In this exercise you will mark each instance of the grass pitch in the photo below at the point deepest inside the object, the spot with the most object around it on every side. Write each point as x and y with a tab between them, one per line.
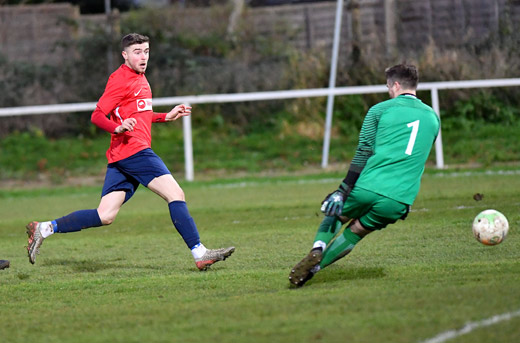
135	281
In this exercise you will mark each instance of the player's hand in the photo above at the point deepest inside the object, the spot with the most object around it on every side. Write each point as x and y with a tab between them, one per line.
177	112
333	203
127	125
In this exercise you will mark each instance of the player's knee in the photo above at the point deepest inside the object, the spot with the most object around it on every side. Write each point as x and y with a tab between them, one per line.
107	221
107	218
179	194
343	219
167	188
358	229
175	194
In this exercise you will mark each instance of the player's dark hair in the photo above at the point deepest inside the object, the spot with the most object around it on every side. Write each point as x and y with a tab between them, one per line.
406	74
133	38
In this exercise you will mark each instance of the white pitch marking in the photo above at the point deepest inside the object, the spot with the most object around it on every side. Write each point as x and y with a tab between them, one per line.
243	184
473	173
463	207
443	337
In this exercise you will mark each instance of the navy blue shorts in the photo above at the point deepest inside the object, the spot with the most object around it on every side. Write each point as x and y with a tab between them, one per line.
127	174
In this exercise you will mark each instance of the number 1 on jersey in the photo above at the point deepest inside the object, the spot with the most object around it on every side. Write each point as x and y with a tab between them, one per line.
415	127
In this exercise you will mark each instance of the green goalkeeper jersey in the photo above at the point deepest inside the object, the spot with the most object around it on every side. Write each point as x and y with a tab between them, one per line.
394	143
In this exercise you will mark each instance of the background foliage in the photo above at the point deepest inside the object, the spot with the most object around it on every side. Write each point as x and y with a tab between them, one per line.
211	61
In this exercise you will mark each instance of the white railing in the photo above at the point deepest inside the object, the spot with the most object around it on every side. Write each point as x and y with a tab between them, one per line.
434	87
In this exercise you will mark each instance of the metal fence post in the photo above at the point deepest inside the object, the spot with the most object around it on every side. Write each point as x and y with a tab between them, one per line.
439	155
188	147
332	85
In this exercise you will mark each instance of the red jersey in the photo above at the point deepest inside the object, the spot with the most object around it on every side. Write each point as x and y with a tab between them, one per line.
127	95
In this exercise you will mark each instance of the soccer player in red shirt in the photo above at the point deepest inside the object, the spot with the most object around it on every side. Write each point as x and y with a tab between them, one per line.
125	111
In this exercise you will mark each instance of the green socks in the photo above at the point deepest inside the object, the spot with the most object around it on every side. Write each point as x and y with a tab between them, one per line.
340	247
328	228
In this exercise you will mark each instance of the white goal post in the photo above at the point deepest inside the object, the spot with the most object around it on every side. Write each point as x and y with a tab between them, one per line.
434	87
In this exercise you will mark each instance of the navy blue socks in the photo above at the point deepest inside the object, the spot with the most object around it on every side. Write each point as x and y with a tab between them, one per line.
77	221
179	214
184	223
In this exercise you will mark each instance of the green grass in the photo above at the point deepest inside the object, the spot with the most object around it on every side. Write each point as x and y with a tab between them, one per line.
135	281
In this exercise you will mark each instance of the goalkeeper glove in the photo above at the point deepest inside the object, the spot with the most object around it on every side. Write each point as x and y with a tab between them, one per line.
333	203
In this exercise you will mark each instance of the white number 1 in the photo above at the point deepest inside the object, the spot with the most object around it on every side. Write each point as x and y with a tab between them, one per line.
415	127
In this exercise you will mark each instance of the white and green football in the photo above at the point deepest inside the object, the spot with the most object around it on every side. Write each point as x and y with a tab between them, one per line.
490	227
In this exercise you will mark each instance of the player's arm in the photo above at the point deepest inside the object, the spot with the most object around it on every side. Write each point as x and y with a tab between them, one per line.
100	119
364	150
159	117
177	112
115	92
333	202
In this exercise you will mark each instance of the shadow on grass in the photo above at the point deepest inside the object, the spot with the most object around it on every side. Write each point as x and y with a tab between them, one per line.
343	274
92	266
80	266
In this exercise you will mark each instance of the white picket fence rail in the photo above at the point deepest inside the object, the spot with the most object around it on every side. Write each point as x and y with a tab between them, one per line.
433	87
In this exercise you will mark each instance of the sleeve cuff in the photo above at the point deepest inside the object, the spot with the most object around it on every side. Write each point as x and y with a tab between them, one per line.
159	117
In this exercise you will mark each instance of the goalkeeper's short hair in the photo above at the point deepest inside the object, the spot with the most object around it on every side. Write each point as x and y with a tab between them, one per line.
406	74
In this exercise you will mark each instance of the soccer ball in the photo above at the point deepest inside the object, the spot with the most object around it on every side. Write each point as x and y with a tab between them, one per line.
490	227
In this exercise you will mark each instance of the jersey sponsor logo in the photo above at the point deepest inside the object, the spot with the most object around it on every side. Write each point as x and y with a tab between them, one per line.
136	94
144	105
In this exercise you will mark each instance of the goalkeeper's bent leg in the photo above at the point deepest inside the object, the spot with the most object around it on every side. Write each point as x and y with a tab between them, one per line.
328	229
341	247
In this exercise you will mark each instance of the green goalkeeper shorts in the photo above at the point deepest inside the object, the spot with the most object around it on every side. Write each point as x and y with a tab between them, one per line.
374	211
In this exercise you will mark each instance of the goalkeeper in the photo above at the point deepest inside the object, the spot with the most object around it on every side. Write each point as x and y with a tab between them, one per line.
384	177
